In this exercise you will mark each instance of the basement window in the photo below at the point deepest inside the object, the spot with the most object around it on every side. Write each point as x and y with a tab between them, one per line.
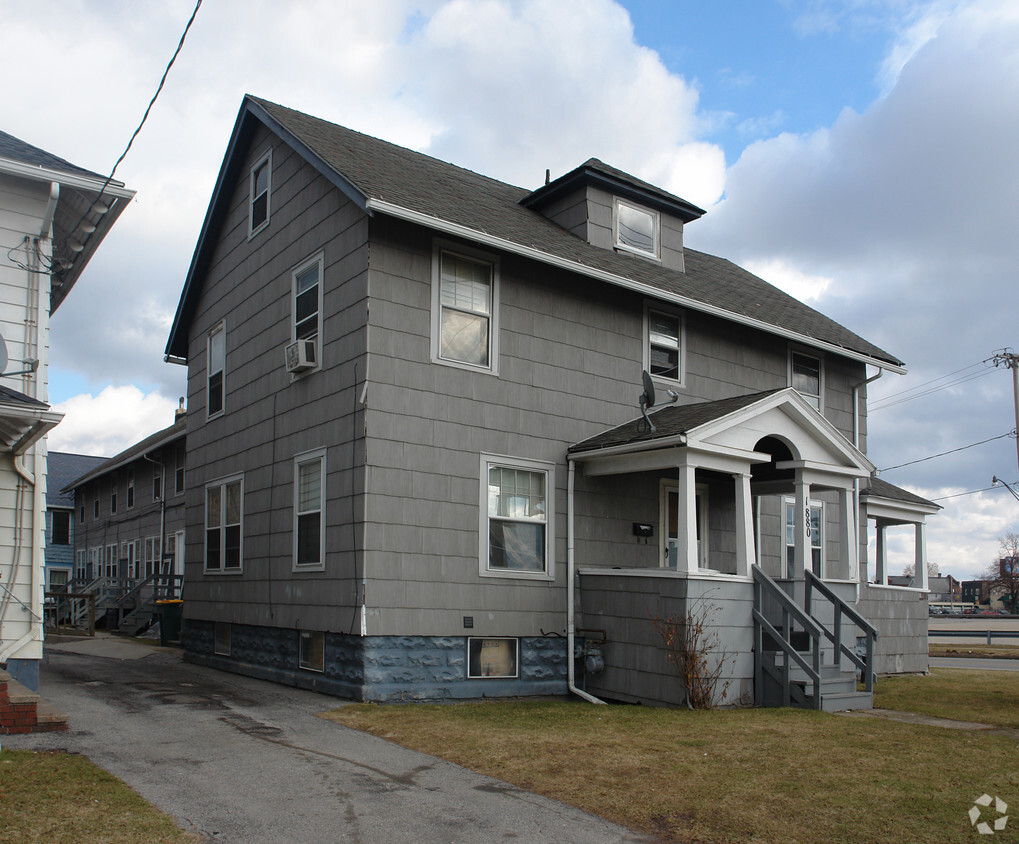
490	659
221	643
313	649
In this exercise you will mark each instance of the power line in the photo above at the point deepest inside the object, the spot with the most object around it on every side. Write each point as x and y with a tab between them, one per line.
971	492
145	116
952	451
882	404
932	381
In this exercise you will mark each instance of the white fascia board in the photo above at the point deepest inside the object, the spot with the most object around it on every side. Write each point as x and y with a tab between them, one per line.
71	180
495	242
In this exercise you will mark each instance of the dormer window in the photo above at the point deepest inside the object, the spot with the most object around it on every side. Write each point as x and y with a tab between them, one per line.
637	229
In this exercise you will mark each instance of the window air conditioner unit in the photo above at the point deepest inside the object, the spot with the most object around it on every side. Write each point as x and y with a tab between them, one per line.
301	355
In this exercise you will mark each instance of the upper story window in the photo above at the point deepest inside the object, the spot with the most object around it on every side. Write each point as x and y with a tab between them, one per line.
806	376
638	230
81	510
216	369
130	488
157	482
178	475
258	216
309	505
60	527
113	494
224	525
516	531
465	310
664	345
306	305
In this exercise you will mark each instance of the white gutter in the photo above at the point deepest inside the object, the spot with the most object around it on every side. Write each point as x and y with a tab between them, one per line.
67	179
531	252
570	588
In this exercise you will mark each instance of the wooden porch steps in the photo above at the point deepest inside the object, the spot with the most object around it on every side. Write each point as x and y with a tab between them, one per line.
23	711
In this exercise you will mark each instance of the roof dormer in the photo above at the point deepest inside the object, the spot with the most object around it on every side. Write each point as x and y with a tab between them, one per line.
614	210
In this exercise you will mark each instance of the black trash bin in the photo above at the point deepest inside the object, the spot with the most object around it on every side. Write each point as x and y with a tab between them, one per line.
169	621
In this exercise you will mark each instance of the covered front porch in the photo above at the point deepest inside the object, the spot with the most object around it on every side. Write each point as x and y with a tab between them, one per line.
745	522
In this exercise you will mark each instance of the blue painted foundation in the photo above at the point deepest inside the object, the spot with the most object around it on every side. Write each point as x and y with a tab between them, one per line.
379	668
25	671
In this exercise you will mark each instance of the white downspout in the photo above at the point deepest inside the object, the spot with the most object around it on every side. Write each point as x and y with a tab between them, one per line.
856	481
570	575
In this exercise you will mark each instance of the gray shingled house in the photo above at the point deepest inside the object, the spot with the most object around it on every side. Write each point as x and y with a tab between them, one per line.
418	464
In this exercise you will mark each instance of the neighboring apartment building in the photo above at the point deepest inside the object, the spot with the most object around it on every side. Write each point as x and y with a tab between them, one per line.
130	511
417	465
53	216
62	468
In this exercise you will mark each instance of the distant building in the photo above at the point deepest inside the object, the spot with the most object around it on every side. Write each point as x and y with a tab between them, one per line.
60	515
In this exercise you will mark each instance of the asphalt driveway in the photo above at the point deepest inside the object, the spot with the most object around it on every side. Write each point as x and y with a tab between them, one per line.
241	760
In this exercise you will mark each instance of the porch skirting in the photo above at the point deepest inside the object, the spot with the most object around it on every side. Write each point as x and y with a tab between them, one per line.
378	668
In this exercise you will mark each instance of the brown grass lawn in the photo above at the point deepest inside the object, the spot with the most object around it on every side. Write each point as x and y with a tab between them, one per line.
779	775
61	798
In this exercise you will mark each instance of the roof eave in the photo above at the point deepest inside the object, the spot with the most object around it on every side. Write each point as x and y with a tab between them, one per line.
458	230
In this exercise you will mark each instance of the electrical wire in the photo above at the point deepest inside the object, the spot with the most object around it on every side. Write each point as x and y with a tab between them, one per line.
123	155
951	451
891	401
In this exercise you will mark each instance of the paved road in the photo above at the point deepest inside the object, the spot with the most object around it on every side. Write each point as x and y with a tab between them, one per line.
976	663
241	760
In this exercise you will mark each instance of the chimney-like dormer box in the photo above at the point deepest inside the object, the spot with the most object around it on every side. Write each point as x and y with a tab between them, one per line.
614	210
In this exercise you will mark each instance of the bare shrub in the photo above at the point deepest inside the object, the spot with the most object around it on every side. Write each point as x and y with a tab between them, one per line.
694	649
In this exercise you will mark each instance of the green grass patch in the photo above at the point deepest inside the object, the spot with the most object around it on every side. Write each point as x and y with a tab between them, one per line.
975	649
62	798
733	775
986	697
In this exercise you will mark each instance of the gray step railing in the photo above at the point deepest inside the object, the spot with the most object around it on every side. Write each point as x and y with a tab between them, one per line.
792	617
812	584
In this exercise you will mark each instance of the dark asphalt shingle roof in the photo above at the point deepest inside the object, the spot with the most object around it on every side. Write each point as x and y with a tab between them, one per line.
367	168
61	469
882	489
17	150
174	432
14	397
670	421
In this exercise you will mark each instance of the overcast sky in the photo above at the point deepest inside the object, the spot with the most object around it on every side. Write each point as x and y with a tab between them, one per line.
860	154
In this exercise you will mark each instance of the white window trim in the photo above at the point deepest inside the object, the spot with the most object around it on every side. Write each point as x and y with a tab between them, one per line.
219	328
488	460
265	158
666	486
308	457
319	259
516	658
679	315
820	373
223	483
656	255
813	503
440	247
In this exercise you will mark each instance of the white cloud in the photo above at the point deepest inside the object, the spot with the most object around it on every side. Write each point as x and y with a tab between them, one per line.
107	423
793	281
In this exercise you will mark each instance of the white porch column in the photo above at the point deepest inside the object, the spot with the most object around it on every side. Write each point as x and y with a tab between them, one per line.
686	529
849	539
745	549
920	556
880	559
801	527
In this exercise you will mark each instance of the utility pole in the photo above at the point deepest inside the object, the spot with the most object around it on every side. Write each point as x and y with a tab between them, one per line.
1007	357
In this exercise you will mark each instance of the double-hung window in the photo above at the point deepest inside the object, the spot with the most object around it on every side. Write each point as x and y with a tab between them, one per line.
258	214
806	377
517	527
309	509
178	474
224	525
307	299
664	345
130	488
60	527
465	323
216	358
638	230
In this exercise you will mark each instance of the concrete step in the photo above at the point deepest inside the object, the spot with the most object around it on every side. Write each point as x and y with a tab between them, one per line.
24	711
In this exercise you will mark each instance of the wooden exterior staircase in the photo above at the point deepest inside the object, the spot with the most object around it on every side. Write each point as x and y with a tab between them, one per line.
23	711
800	660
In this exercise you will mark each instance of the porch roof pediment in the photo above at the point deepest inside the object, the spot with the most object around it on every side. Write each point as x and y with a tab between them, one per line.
730	427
